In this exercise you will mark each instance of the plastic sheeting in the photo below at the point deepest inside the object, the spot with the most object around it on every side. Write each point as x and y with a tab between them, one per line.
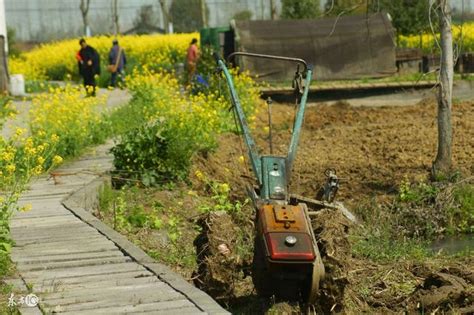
348	47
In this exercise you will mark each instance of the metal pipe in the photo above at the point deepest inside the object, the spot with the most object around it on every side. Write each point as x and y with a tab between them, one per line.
291	59
269	103
298	122
251	145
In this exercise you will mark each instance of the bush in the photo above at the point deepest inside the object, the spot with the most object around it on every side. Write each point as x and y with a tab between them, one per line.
154	153
77	119
177	126
463	40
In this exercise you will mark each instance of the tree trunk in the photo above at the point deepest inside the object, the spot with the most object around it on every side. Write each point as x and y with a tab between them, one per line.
166	15
116	17
84	6
442	164
272	10
204	13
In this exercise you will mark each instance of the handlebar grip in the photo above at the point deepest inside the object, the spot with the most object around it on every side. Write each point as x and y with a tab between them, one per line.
216	57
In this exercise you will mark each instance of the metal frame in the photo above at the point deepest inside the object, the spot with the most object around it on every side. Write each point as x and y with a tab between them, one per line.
269	185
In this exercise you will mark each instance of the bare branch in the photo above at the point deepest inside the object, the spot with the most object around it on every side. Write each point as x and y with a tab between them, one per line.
341	14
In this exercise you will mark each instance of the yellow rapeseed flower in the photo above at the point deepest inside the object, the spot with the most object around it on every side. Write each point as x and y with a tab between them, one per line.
10	168
26	208
199	174
57	159
40	160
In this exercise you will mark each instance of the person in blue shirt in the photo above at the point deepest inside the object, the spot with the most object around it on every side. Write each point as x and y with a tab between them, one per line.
117	62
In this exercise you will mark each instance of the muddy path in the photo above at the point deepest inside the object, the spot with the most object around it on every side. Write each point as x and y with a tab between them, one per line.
373	150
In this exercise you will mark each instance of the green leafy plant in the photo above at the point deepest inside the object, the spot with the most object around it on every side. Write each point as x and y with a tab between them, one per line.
220	196
461	215
417	193
154	153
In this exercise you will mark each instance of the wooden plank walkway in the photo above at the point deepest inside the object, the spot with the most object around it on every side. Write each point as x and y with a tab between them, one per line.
76	268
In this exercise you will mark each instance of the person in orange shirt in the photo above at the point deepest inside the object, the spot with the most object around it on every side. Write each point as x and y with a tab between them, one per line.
192	58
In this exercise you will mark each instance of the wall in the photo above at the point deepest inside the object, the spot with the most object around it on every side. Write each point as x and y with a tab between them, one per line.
35	20
45	20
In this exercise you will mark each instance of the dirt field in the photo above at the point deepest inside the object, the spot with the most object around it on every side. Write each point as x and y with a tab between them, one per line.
373	150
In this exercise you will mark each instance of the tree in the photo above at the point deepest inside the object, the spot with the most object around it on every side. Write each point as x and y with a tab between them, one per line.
188	15
340	7
299	9
408	16
166	15
84	6
443	162
272	10
244	15
146	22
115	17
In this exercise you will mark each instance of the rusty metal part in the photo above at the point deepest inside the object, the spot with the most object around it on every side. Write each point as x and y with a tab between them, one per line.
286	256
318	272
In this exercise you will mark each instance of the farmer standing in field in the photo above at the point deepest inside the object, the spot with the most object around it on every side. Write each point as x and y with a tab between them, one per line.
89	65
117	62
192	59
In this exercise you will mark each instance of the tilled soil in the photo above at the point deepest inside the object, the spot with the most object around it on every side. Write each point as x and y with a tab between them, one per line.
373	150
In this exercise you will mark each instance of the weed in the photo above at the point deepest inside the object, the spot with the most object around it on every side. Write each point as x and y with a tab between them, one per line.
380	244
461	216
37	86
6	109
379	238
417	193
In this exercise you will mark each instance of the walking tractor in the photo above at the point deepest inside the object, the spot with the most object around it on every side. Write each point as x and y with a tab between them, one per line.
287	263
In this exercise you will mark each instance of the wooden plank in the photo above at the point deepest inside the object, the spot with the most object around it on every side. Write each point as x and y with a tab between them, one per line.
64	224
74	272
170	307
94	292
52	285
73	263
121	280
45	240
79	230
22	221
114	298
64	250
57	244
65	257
